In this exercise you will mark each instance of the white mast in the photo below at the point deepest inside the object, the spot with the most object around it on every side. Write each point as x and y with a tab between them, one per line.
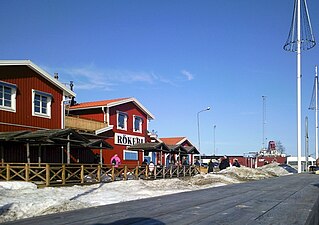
314	106
316	91
298	86
304	41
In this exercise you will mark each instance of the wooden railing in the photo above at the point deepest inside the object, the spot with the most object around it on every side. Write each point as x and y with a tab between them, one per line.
44	174
83	124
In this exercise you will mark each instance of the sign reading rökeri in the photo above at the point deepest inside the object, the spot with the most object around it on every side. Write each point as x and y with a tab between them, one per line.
125	139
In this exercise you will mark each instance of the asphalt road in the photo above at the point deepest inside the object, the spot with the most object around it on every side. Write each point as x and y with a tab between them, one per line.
285	200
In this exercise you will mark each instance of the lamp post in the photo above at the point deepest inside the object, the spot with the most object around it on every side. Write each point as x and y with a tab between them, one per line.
214	140
198	133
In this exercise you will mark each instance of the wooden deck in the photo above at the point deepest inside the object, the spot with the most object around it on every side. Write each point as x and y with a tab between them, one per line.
57	174
284	200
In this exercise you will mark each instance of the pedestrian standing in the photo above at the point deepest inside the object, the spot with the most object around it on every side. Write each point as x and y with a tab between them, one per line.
210	166
115	160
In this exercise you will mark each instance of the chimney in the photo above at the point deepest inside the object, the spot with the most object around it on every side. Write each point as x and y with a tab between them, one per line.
56	76
73	102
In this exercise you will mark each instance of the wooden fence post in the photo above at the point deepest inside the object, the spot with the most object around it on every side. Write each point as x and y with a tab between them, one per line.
8	171
136	172
63	173
164	172
113	175
27	171
47	175
82	174
125	172
99	172
146	172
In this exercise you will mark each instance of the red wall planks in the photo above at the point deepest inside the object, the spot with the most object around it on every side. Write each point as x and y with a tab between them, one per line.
26	79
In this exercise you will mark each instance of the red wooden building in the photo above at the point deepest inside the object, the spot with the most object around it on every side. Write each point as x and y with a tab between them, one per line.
252	160
181	147
126	122
32	117
30	98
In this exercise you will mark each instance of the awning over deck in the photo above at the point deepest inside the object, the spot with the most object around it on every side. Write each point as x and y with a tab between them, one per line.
7	136
52	137
55	137
177	149
191	150
99	144
96	141
151	147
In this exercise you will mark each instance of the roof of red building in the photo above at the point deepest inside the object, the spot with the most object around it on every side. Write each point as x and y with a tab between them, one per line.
173	140
111	103
41	72
96	103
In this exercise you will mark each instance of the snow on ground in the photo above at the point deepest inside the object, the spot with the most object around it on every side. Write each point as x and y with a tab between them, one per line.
22	199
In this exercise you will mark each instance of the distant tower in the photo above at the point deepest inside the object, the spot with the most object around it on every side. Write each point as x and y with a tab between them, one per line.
264	120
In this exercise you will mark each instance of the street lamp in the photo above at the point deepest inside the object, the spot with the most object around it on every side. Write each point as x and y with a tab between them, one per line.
200	158
214	140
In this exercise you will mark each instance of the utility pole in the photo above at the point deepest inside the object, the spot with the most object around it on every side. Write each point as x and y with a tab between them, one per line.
214	140
316	91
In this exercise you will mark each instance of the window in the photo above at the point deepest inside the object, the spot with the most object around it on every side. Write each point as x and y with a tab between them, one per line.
137	124
41	104
8	96
130	155
148	158
121	121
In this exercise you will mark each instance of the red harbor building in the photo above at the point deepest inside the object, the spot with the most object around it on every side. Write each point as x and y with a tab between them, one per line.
30	98
181	147
32	117
126	124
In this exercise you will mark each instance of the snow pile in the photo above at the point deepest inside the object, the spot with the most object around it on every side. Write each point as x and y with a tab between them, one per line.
21	199
249	174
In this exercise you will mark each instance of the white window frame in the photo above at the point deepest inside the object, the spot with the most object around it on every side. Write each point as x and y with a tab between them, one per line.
48	104
125	120
13	88
140	125
127	151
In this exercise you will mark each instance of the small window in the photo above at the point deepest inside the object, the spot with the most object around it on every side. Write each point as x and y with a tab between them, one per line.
130	155
148	158
41	104
137	124
121	121
8	96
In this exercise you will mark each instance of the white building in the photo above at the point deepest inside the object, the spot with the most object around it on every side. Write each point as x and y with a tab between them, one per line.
293	161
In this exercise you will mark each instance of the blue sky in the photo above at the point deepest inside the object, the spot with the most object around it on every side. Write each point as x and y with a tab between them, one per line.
176	57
